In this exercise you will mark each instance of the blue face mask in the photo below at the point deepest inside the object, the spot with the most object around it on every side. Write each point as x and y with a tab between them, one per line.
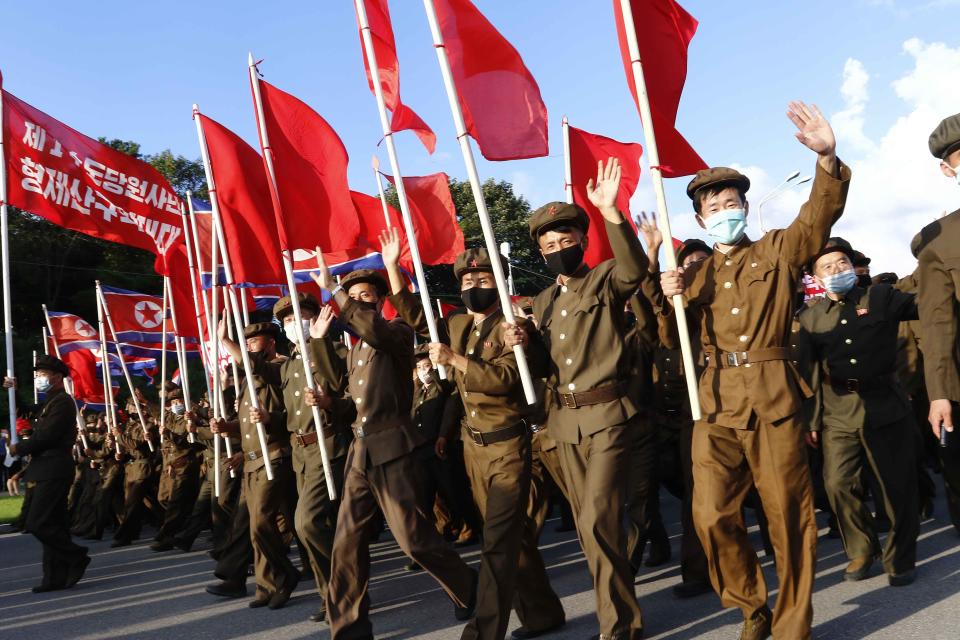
178	409
727	226
840	283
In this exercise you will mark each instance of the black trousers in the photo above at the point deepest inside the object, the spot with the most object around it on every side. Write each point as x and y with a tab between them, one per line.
48	521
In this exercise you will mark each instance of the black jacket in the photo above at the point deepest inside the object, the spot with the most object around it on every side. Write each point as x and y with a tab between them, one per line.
54	432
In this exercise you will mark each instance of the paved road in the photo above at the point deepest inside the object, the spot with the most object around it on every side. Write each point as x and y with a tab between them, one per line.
135	593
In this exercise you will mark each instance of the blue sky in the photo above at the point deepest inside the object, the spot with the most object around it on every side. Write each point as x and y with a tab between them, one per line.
132	70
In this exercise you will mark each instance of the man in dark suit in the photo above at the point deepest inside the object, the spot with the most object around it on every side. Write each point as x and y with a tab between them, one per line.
51	468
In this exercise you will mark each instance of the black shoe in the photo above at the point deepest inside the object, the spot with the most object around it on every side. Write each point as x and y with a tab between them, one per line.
320	615
465	613
261	600
162	545
564	527
659	552
183	545
120	542
43	588
94	536
926	509
858	569
902	579
686	590
522	633
227	589
413	566
279	598
883	524
75	572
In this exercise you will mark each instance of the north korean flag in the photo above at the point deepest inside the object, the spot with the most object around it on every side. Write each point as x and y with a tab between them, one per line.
72	332
137	317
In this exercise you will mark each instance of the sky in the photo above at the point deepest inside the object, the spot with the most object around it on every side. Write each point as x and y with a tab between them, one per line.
885	72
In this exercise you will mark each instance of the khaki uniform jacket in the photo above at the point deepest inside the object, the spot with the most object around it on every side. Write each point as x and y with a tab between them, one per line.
743	301
380	369
267	381
175	442
490	389
939	301
581	344
855	338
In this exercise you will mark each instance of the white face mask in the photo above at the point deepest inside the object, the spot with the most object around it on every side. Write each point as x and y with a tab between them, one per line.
290	330
425	376
42	383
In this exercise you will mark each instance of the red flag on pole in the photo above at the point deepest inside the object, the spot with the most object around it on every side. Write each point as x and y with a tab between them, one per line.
385	47
71	332
78	183
434	217
83	370
586	150
246	211
183	310
664	31
499	97
310	163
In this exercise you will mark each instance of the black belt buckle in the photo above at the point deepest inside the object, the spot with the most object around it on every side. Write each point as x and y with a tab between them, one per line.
252	455
476	436
569	400
733	359
852	385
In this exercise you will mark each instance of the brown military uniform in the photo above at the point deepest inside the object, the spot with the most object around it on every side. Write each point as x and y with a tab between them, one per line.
381	472
498	459
586	362
750	396
138	480
180	479
862	412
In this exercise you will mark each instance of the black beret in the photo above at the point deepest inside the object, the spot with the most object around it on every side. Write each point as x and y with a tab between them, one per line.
50	363
557	214
717	177
945	139
284	306
473	260
370	276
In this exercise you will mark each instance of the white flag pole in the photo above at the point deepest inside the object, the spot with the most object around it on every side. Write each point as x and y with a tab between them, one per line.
67	380
653	156
107	378
181	352
233	363
36	399
287	256
408	227
46	341
567	168
383	195
475	186
346	335
163	360
218	242
246	312
189	235
123	364
7	309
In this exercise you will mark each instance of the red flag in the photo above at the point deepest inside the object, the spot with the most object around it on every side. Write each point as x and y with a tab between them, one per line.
385	49
664	30
246	211
310	164
439	236
182	307
83	370
71	332
586	150
78	183
499	97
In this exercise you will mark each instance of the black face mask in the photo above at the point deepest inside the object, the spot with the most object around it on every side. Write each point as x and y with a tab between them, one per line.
566	261
478	299
367	305
863	280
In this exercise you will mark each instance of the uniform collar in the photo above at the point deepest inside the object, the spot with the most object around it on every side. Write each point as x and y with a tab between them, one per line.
573	281
736	252
854	296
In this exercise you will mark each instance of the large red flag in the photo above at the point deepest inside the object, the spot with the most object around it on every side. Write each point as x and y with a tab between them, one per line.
664	30
76	182
310	164
500	99
243	198
385	48
439	236
72	332
586	150
137	317
83	371
182	306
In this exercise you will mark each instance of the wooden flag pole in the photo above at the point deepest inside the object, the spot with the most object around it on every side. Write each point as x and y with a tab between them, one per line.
189	237
287	256
488	236
105	310
67	380
7	309
408	227
218	243
653	156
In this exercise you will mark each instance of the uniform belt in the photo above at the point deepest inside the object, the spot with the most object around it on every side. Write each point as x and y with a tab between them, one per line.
485	438
305	439
256	454
537	428
727	359
599	395
860	385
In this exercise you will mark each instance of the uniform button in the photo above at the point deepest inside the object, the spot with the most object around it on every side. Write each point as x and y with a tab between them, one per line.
563	336
296	375
727	285
359	400
744	338
667	359
793	346
747	365
470	352
298	411
753	264
246	403
473	413
360	383
248	436
728	262
296	393
571	386
844	321
476	333
569	361
419	425
735	310
794	330
853	361
363	419
563	288
848	341
360	363
563	312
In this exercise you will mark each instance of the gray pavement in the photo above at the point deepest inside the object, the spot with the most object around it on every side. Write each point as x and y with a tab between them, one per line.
135	593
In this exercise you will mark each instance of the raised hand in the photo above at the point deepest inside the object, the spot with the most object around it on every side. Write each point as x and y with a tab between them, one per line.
603	192
323	278
652	236
390	246
320	325
813	130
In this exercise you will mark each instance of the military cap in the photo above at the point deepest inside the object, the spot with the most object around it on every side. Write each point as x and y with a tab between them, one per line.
833	245
717	177
859	259
473	260
90	418
557	214
260	329
885	278
691	245
422	351
945	139
370	276
284	305
50	363
175	394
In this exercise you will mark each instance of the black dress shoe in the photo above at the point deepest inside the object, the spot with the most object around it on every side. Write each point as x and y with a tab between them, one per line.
162	545
183	545
659	552
227	589
320	615
279	598
43	588
75	572
465	613
120	542
413	566
902	579
522	633
686	590
261	600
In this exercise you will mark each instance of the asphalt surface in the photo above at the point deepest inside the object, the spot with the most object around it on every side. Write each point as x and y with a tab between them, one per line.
133	592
